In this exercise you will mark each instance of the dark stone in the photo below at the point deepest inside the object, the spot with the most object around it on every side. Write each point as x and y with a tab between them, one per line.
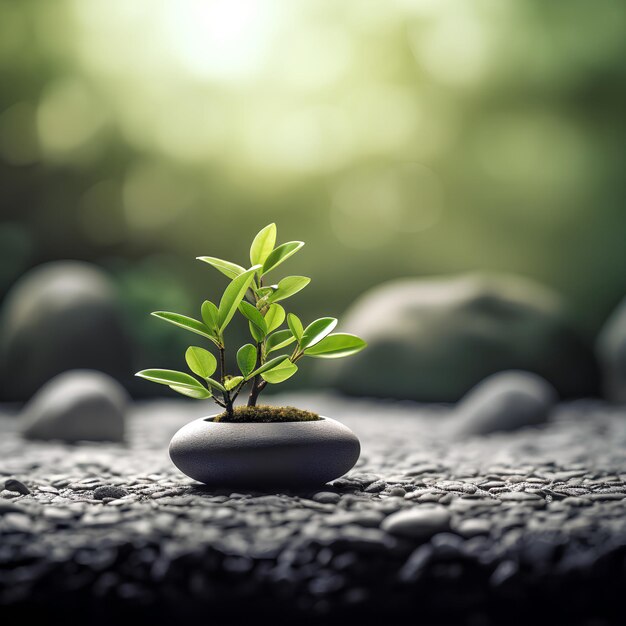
418	522
76	406
16	485
611	351
504	401
432	340
60	316
109	491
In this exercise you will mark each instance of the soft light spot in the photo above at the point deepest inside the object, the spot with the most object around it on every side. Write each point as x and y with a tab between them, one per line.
69	117
18	136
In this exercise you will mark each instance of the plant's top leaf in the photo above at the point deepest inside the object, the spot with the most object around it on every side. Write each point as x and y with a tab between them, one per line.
280	254
265	291
188	323
316	331
278	340
200	361
274	317
253	314
288	286
232	270
294	323
233	295
210	316
246	358
263	244
336	345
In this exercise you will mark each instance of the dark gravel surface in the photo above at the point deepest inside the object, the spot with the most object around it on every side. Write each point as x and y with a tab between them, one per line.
526	527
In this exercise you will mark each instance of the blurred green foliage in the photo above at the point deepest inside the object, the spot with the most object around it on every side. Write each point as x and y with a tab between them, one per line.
402	138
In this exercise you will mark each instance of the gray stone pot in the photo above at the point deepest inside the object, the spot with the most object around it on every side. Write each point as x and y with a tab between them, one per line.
260	456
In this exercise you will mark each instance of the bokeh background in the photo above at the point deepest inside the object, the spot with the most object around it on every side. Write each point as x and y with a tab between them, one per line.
398	139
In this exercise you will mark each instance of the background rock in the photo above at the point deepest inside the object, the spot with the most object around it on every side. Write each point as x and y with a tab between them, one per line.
77	405
611	351
60	316
432	340
504	401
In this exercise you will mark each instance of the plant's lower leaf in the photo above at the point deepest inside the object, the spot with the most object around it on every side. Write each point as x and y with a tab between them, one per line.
231	383
336	346
170	377
280	373
246	358
193	393
200	361
267	366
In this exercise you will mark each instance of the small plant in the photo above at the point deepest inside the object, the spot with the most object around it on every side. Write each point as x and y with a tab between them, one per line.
258	361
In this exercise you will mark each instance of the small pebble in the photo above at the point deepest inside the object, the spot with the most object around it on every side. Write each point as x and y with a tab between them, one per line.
109	491
17	486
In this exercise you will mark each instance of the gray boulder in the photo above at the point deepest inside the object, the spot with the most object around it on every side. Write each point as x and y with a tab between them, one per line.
76	406
611	351
432	340
60	316
504	401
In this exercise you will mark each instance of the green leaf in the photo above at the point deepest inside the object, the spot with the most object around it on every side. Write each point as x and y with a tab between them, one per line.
263	244
316	331
289	286
294	323
280	254
336	346
278	340
193	393
265	291
274	317
267	366
200	361
280	373
232	270
210	316
231	383
188	323
256	333
216	384
246	358
170	378
233	295
252	313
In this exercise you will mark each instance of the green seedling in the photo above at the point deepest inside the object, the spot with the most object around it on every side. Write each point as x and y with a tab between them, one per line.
260	362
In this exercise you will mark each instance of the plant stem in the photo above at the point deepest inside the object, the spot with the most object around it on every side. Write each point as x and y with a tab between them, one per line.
257	380
228	403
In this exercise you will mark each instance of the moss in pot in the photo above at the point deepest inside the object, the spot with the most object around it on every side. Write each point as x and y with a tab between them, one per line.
257	446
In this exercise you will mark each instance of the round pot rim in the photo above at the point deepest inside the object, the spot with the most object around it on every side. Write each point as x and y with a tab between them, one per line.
209	419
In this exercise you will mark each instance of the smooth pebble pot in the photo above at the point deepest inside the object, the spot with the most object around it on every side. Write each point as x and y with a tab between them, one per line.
261	455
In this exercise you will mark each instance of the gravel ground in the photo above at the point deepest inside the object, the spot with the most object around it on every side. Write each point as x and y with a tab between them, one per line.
525	527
